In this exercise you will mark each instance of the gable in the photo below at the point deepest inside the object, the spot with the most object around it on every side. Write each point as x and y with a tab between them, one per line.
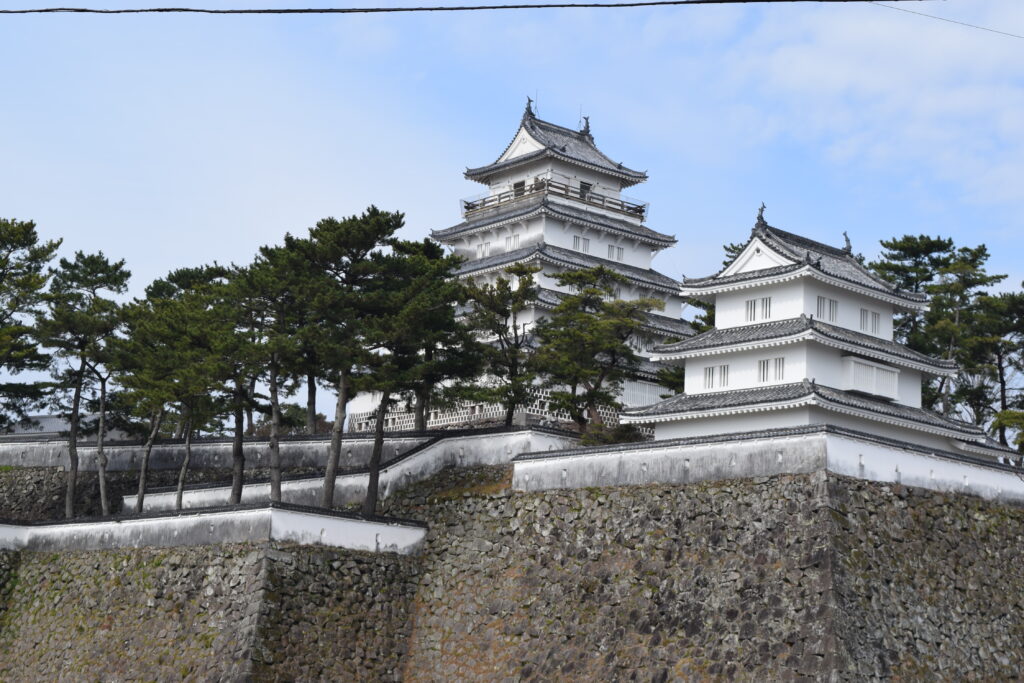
523	144
756	256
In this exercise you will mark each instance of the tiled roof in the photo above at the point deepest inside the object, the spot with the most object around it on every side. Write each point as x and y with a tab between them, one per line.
532	206
571	259
837	263
570	145
784	328
675	327
823	395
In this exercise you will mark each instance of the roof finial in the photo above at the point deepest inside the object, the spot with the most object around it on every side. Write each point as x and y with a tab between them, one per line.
761	223
849	247
586	126
528	114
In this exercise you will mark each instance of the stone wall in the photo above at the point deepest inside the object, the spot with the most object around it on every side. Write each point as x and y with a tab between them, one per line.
758	579
726	580
791	576
118	615
927	585
229	612
331	615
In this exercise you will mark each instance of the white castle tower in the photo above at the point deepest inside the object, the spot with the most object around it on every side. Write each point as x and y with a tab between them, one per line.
804	336
555	200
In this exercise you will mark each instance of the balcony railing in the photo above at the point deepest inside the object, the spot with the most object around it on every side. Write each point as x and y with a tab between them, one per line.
545	186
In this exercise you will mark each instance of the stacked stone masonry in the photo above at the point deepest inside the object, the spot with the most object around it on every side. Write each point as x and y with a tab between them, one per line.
812	576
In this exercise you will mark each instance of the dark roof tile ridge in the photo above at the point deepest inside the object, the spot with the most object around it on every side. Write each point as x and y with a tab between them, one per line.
802	242
835	332
838	395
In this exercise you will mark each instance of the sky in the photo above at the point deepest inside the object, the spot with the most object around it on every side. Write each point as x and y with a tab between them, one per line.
176	140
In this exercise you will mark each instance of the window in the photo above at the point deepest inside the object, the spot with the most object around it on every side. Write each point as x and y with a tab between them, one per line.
519	189
871	378
780	368
764	302
512	242
828	309
580	243
709	378
585	190
615	253
771	368
870	321
723	375
483	249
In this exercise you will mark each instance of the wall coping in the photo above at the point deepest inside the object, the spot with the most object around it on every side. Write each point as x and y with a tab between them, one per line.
255	523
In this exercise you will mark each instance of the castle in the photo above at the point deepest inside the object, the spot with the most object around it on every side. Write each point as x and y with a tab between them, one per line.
804	336
798	515
554	200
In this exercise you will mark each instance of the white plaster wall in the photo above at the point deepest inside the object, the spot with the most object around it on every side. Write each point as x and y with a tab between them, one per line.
822	416
876	462
560	234
461	451
850	304
755	257
824	365
219	526
910	387
672	463
787	302
743	368
732	424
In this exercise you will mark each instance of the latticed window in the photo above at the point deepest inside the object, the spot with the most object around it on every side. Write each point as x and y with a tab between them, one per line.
580	243
512	242
780	368
751	313
828	309
709	378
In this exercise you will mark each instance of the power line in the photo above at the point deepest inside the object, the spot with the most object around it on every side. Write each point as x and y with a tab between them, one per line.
381	10
951	21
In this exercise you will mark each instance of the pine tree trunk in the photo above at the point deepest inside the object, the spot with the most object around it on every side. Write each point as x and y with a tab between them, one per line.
1003	398
72	478
158	417
275	426
101	456
510	413
311	403
184	464
373	485
250	430
340	410
420	416
237	452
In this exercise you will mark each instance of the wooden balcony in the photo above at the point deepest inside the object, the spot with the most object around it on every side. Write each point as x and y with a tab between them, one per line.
545	186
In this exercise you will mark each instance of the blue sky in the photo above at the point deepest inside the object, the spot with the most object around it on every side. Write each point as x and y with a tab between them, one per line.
176	140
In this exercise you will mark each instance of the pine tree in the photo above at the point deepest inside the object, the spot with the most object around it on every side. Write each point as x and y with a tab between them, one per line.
23	278
410	332
79	320
495	313
342	255
585	353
